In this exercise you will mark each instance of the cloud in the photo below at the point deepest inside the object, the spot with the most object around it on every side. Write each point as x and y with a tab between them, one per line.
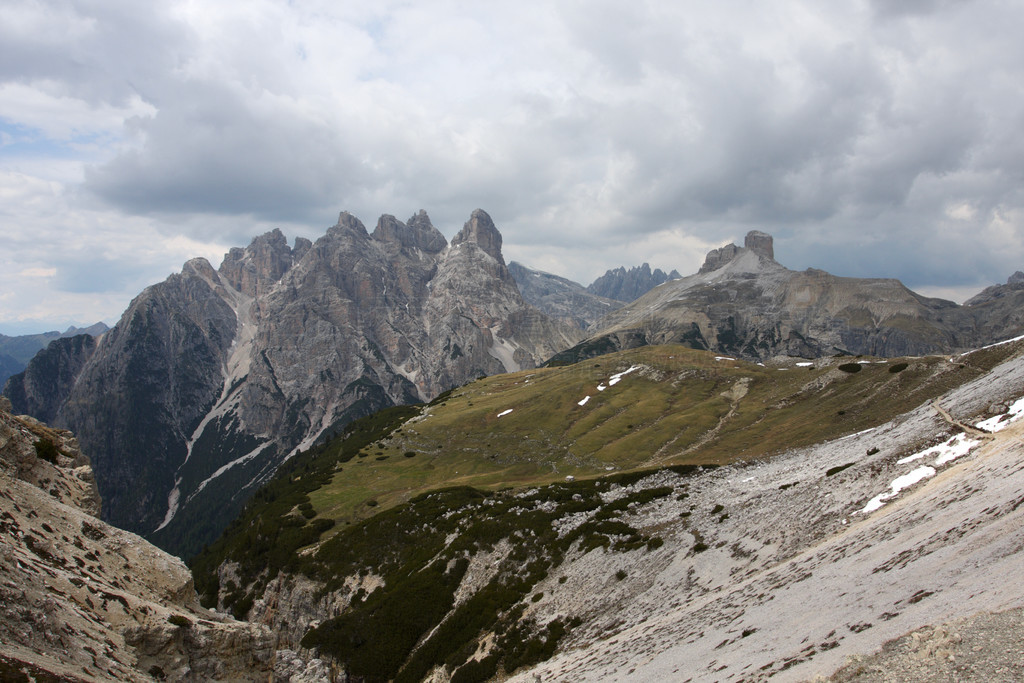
870	139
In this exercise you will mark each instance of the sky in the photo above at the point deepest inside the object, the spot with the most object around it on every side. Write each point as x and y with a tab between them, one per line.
870	138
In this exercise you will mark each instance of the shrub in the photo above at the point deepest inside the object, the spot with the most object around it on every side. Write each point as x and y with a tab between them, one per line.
621	574
46	450
850	367
898	367
179	620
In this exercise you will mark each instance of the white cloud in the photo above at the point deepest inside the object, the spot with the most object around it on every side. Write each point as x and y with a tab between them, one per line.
869	141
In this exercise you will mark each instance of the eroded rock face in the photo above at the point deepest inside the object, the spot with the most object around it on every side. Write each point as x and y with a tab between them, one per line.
561	298
629	285
742	302
213	377
82	600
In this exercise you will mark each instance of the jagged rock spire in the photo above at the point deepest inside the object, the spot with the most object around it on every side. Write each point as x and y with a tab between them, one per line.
480	230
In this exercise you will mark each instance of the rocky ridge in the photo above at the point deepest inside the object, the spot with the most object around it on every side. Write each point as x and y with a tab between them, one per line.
629	285
561	298
81	600
743	302
215	376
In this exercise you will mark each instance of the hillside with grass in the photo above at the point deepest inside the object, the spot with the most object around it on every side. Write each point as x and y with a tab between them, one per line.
463	539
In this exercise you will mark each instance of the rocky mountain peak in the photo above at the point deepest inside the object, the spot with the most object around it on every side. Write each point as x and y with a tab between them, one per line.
419	232
760	243
1016	278
480	230
348	224
629	285
253	269
202	268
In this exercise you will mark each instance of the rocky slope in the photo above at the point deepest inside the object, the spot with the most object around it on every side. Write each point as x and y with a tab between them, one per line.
560	298
781	562
790	567
17	351
743	302
629	285
83	601
213	377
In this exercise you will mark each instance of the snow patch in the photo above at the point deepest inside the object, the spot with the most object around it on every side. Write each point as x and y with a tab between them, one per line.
897	485
999	422
505	412
951	449
583	401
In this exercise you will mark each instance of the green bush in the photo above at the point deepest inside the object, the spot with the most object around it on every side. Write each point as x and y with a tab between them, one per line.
898	367
180	621
850	367
46	450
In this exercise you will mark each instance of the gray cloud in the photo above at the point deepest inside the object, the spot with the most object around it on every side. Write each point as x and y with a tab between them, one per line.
871	139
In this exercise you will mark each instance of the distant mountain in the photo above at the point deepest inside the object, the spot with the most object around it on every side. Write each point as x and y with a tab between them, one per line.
629	285
561	298
213	378
743	302
17	351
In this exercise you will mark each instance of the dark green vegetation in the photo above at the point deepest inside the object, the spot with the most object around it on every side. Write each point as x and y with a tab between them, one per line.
46	450
275	523
394	515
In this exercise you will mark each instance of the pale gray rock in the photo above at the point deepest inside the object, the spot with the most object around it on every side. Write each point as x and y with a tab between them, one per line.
214	377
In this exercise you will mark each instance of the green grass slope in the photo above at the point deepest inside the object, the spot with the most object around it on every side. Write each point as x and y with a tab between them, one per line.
677	406
413	494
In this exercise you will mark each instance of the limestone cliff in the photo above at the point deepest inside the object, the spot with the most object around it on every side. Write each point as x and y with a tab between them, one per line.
561	298
213	377
743	302
83	601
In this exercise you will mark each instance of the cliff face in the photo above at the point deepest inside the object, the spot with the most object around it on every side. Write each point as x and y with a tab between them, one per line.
629	285
743	302
213	377
561	298
81	600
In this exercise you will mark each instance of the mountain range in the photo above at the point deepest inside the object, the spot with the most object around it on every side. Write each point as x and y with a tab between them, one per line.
733	477
17	351
215	377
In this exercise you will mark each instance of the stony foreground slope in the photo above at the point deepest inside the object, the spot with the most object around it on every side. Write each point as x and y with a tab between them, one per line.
779	564
798	573
84	601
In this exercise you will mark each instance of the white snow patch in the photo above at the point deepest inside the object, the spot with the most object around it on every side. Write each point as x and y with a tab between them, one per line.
616	378
897	485
1006	341
947	451
224	468
723	358
601	387
805	364
994	424
851	436
505	412
583	401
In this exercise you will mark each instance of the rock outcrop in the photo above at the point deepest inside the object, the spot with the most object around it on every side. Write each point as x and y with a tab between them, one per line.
561	298
213	377
628	285
743	302
82	600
